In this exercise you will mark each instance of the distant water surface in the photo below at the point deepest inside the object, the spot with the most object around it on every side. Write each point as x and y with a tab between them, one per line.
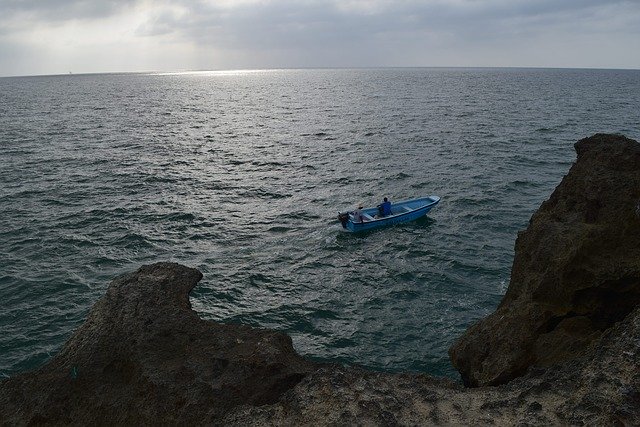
240	174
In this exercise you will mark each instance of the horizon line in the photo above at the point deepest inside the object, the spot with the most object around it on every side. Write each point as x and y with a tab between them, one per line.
257	70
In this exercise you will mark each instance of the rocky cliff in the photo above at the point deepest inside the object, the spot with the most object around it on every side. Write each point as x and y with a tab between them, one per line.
575	274
143	356
568	331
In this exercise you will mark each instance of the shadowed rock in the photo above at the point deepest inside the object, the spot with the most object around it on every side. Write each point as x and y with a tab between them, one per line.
602	387
143	356
576	270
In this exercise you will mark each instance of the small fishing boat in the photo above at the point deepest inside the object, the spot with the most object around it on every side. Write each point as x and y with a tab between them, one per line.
407	210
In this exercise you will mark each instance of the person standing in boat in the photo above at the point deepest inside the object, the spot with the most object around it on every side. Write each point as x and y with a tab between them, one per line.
385	207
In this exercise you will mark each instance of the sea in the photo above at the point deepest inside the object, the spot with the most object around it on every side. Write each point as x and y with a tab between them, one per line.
241	174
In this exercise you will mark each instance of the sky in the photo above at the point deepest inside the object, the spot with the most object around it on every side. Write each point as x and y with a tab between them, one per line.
84	36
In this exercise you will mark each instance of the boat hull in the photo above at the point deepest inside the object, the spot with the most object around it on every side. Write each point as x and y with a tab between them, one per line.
404	211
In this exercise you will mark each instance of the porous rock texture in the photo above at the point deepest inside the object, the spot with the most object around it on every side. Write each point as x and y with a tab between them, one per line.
600	388
576	270
144	357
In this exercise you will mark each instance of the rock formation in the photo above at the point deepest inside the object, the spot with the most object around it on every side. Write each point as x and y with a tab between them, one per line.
600	388
576	270
143	356
567	331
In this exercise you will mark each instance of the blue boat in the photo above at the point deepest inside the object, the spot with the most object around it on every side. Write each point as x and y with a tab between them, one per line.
407	210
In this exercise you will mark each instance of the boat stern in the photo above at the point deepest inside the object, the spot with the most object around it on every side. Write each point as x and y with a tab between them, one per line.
343	217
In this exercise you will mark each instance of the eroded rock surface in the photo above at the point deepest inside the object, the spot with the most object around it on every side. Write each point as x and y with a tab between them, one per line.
576	270
143	356
602	387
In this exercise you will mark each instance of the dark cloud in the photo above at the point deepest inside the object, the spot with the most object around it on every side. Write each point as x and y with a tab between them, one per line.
288	24
61	10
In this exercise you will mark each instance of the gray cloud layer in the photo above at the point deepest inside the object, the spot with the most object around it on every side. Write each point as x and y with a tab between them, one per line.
61	10
293	18
357	32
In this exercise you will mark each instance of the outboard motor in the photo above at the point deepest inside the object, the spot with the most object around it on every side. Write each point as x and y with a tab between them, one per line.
343	217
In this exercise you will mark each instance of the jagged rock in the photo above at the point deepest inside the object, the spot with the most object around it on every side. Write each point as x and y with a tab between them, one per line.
143	356
602	387
576	270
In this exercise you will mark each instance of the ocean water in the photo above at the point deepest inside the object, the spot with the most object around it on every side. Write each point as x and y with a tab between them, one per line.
241	174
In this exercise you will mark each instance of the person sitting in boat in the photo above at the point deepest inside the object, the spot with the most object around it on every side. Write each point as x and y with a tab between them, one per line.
357	214
385	207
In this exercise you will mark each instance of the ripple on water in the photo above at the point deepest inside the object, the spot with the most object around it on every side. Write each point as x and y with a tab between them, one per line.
246	188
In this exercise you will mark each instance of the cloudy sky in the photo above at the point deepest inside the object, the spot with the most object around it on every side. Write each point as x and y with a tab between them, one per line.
59	36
